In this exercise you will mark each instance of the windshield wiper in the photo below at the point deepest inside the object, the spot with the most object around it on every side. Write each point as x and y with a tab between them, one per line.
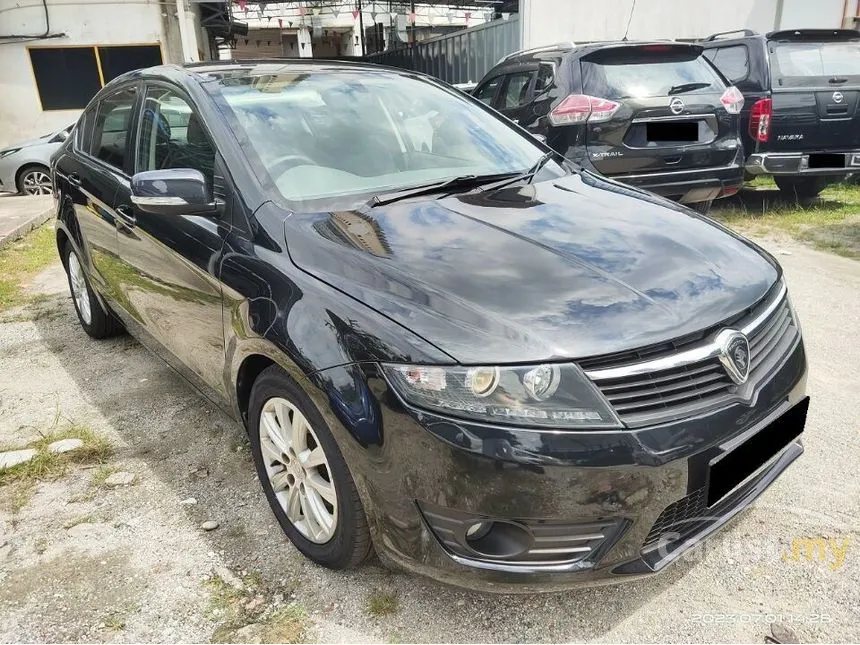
686	87
461	182
837	81
528	174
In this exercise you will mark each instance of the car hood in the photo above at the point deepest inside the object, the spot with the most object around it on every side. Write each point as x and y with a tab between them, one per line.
569	268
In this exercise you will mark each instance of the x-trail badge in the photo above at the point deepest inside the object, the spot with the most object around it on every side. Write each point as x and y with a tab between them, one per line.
734	354
676	105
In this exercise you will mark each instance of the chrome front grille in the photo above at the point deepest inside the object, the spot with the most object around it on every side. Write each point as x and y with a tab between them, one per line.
693	380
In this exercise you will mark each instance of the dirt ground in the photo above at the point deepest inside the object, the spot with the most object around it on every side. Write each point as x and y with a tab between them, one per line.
81	560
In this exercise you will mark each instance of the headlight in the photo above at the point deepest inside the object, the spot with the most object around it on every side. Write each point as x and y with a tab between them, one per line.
558	396
8	151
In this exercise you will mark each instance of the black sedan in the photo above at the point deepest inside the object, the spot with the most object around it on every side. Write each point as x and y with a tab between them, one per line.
445	341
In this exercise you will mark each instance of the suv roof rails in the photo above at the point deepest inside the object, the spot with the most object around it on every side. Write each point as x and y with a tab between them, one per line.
745	32
545	48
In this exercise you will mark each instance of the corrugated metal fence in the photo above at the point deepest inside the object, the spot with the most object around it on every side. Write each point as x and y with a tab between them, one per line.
460	57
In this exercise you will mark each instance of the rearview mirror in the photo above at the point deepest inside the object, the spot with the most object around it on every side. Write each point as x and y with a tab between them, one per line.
176	191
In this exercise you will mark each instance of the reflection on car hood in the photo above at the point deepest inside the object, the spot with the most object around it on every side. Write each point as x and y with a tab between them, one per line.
564	269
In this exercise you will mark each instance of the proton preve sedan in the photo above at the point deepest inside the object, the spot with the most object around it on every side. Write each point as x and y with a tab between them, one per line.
446	342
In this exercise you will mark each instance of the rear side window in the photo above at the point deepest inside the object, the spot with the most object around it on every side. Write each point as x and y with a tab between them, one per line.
637	72
488	91
806	63
545	77
111	128
733	61
517	89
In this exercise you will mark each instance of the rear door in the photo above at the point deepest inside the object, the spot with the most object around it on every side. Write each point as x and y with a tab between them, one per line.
815	91
669	115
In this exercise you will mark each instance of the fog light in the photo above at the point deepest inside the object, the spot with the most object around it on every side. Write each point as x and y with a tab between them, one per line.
499	539
478	530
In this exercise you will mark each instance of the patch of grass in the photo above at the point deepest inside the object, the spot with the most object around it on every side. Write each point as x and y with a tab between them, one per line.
100	474
83	519
831	223
287	625
382	603
21	260
47	465
41	545
114	622
19	496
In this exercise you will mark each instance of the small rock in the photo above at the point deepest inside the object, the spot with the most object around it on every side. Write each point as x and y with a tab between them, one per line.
121	478
783	634
229	577
189	501
784	252
65	445
15	457
252	633
209	525
201	473
254	604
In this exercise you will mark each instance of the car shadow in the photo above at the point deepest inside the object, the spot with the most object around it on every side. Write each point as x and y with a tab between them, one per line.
758	201
169	432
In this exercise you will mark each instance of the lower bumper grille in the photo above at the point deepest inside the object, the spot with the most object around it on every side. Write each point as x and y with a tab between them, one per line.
679	516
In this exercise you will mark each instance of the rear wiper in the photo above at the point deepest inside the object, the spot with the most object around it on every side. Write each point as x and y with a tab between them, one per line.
463	181
837	81
686	87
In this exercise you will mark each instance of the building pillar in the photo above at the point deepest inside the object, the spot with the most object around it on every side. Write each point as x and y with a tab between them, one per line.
187	34
306	44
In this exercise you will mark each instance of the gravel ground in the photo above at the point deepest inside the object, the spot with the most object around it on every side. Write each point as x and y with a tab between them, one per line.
82	561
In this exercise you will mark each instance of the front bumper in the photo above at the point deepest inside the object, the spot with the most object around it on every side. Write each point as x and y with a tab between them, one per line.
624	480
804	163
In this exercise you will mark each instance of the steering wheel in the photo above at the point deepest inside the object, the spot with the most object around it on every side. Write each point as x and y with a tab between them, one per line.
283	164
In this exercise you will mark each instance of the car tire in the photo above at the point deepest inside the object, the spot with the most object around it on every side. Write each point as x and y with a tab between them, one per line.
96	322
332	532
800	188
35	179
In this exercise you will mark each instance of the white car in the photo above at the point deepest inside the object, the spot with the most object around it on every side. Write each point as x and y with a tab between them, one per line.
24	167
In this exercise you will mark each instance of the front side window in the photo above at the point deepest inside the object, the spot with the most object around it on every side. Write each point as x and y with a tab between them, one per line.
805	63
323	136
111	128
487	92
640	73
516	90
172	136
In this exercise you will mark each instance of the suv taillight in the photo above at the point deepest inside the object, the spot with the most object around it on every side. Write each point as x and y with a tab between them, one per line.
760	120
581	108
733	100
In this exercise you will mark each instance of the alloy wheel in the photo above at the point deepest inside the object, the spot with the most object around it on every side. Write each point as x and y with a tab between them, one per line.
298	470
80	290
37	182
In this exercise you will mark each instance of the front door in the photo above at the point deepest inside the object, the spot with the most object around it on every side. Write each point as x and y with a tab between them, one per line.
170	287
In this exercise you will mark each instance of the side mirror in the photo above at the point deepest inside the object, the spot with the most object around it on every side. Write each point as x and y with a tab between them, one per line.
62	135
176	191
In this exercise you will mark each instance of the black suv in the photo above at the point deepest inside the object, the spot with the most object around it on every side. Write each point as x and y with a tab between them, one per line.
800	121
653	115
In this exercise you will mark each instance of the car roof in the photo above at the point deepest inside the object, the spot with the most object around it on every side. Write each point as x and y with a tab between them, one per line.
584	48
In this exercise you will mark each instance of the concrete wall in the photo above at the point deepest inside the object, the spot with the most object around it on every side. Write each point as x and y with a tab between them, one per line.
97	22
550	21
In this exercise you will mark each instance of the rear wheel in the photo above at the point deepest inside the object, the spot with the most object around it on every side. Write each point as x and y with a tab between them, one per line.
97	322
702	207
35	180
303	474
800	187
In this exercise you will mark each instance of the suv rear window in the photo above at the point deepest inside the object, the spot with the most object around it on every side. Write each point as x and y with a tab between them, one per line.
652	70
808	63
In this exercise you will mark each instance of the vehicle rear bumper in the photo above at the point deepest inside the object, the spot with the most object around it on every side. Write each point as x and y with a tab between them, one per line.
690	185
798	163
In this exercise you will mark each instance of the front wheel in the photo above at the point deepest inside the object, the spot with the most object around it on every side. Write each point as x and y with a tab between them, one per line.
303	474
35	180
800	187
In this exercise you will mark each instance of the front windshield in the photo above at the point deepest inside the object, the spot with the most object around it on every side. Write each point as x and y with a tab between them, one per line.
333	133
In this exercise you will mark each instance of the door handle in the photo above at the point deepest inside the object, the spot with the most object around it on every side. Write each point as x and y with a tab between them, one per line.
74	179
126	215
